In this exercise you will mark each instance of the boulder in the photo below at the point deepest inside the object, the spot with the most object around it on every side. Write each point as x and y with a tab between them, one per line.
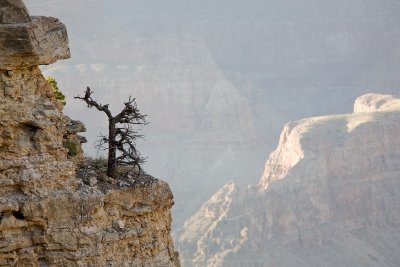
26	41
13	11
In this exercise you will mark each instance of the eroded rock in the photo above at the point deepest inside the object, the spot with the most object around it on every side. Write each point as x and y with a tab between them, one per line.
26	41
42	41
48	216
13	11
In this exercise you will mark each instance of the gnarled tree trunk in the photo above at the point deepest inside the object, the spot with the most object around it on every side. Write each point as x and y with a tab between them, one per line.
112	150
120	138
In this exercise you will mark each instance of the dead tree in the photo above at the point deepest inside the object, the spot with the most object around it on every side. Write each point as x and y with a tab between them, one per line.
122	136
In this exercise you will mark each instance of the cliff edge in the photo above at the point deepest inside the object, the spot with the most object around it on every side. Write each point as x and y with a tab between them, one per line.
48	215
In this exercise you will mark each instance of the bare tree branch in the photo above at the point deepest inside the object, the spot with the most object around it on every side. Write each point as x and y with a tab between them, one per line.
92	103
122	138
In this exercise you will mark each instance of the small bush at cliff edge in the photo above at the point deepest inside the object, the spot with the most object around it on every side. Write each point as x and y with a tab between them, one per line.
57	93
71	146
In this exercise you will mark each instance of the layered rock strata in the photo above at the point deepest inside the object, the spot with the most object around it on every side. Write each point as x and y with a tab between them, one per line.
329	196
49	217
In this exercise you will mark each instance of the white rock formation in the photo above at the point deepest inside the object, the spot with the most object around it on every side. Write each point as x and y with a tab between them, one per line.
376	102
329	196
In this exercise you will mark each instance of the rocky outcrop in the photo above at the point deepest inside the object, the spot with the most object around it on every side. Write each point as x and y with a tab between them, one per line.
329	196
12	12
48	215
376	102
27	42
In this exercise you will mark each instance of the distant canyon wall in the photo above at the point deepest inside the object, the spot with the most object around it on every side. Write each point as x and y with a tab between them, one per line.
329	196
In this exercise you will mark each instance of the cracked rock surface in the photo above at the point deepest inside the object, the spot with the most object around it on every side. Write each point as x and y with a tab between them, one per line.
13	11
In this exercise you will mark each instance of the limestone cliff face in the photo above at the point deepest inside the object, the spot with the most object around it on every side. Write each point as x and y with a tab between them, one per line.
329	196
49	217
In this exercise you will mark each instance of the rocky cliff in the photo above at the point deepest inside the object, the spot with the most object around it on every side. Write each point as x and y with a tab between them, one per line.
48	215
329	196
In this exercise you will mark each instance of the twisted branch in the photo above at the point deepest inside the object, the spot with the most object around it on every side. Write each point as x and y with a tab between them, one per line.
122	138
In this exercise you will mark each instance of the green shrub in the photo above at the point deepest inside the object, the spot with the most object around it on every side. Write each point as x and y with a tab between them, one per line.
57	93
97	162
71	146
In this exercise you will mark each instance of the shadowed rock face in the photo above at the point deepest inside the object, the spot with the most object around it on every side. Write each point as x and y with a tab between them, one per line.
26	41
13	11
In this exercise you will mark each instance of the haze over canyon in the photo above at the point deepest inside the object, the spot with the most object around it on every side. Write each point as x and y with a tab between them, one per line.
219	80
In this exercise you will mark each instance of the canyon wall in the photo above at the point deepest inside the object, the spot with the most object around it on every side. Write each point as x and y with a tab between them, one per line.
329	196
49	216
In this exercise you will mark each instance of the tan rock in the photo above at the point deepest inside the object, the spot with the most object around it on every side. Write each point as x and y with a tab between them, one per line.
26	41
13	11
48	216
40	42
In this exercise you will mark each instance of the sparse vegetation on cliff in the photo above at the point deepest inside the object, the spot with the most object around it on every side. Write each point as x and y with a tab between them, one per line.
57	93
71	146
